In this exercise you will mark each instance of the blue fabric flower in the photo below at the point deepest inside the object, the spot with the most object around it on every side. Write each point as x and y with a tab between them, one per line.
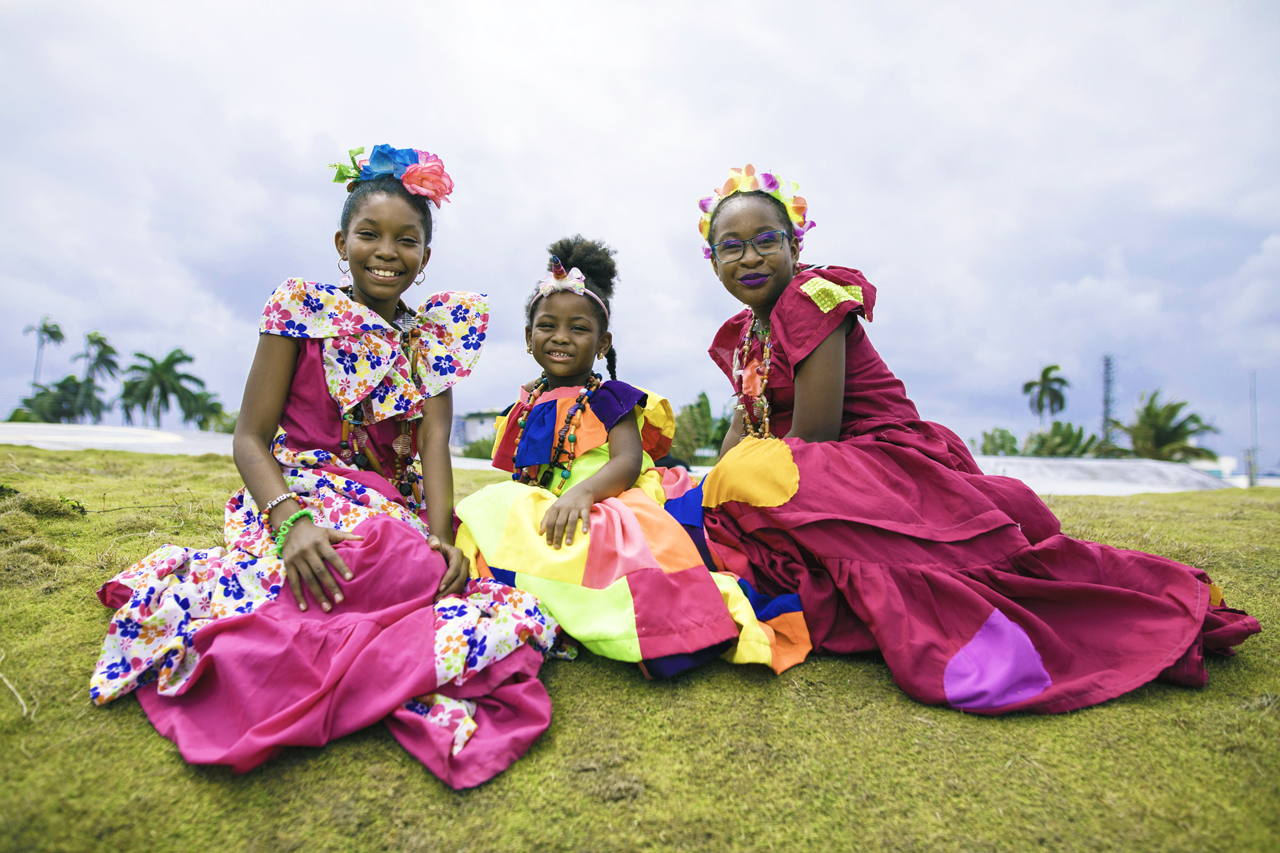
416	707
233	587
128	628
452	611
472	339
347	360
382	389
459	313
312	304
444	365
118	669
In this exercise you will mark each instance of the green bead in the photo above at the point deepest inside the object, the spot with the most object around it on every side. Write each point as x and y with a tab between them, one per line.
572	438
521	423
565	473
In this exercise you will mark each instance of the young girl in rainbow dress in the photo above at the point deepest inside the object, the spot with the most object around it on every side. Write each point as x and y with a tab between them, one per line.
340	599
586	523
832	488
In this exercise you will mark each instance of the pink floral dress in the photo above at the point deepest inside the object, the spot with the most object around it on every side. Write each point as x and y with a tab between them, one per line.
180	611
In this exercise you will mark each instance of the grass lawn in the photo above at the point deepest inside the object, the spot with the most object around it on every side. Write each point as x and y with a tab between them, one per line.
829	756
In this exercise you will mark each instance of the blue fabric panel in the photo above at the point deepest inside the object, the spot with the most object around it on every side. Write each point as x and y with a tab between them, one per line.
539	436
613	399
767	608
503	576
687	509
665	667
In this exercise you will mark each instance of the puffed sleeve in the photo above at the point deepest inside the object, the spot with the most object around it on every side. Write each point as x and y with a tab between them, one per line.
614	399
814	305
453	326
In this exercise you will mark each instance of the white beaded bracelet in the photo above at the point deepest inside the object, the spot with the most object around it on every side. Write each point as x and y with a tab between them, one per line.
266	510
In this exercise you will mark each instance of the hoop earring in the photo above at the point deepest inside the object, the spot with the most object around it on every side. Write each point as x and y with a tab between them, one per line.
422	276
340	269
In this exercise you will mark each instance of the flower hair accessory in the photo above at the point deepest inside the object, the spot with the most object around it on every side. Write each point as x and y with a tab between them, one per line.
572	281
421	172
746	180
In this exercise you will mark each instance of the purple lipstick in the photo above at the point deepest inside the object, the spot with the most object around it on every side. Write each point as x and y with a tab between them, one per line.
754	279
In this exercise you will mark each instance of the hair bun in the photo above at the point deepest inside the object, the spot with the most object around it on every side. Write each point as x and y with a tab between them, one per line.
593	258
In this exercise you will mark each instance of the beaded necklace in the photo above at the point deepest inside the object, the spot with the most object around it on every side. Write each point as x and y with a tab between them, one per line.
355	445
567	435
760	405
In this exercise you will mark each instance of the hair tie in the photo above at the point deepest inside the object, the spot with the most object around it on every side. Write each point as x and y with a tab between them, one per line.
421	172
746	180
573	281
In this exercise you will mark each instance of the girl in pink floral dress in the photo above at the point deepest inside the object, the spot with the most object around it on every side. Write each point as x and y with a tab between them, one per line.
340	599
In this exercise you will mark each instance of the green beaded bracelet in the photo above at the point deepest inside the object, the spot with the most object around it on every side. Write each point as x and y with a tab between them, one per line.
284	528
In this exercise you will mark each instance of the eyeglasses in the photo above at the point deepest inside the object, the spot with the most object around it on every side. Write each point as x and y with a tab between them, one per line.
765	244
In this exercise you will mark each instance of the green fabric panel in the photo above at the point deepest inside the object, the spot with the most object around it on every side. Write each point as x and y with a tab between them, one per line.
603	620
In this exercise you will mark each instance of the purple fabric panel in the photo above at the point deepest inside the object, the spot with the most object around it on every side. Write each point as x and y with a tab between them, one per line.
613	400
999	666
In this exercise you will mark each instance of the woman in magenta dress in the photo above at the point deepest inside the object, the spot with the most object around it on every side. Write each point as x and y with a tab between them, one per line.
832	487
339	599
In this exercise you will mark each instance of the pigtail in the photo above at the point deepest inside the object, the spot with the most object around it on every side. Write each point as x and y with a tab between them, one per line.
611	362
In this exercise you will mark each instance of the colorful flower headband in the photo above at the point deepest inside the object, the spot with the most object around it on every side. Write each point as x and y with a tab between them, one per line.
745	181
572	281
421	172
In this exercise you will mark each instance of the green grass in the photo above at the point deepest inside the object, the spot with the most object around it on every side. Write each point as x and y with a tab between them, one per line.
829	756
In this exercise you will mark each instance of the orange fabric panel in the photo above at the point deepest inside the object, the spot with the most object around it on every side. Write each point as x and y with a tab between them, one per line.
671	546
790	640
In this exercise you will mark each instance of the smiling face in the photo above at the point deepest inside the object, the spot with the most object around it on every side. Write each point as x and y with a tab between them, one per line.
566	338
755	280
386	247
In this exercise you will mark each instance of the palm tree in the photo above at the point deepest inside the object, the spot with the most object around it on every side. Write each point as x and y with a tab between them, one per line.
46	332
1062	439
1158	433
152	383
53	404
99	359
1046	393
204	409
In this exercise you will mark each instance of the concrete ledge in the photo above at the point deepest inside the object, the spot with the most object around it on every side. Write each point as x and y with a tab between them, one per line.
1048	476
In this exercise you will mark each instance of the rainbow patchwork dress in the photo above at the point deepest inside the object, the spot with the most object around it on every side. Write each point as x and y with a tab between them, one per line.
232	671
636	587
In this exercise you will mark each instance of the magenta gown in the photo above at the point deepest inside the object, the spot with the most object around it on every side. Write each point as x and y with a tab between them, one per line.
895	541
226	665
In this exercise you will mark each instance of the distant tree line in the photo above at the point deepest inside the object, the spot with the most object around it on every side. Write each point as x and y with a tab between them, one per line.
1159	429
148	387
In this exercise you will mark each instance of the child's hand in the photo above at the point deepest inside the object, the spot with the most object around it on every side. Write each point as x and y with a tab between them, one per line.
309	558
455	579
562	517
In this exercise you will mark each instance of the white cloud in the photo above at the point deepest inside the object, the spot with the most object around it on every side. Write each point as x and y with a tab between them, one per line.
1024	184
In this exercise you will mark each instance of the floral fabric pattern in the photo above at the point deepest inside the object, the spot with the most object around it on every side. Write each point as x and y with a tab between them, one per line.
364	362
488	622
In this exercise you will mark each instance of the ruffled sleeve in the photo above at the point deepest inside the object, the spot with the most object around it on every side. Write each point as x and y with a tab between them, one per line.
814	305
728	340
370	371
453	326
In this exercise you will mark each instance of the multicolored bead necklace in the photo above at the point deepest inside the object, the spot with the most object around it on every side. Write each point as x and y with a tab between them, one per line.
566	437
760	407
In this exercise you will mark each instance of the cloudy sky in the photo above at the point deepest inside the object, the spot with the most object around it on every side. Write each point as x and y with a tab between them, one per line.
1026	184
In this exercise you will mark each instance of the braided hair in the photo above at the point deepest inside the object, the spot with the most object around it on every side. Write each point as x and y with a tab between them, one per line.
594	260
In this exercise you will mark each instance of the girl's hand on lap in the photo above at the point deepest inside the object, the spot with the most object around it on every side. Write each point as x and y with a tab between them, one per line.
455	579
309	558
561	519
